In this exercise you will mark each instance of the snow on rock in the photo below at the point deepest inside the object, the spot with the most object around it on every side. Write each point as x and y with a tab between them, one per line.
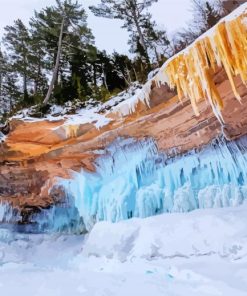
128	106
91	112
153	73
85	116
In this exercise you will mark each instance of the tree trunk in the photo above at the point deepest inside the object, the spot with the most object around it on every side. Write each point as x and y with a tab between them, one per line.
94	75
157	55
37	80
25	87
1	82
55	71
135	74
104	79
141	36
139	31
129	76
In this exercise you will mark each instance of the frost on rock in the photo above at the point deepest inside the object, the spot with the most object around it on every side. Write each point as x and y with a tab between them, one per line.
133	180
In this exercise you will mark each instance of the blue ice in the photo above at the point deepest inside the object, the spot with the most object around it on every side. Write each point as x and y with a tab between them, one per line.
133	179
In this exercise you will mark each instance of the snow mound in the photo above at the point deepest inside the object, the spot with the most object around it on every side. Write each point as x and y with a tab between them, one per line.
219	232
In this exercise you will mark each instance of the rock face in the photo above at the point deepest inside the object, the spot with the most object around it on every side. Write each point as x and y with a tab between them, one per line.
36	153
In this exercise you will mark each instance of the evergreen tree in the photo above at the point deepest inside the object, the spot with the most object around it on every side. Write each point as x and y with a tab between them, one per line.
17	42
132	12
64	28
2	71
156	40
9	93
37	64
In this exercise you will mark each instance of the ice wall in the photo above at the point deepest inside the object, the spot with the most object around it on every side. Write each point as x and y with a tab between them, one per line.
63	217
8	214
134	180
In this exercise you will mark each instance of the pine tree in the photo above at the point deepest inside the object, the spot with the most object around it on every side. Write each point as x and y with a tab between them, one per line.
37	64
17	42
132	12
63	27
9	93
156	40
2	71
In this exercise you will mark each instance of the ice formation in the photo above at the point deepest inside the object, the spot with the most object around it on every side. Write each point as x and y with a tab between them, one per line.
192	70
63	217
7	213
134	180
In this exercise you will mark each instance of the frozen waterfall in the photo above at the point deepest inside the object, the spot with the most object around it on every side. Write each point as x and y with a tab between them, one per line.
134	180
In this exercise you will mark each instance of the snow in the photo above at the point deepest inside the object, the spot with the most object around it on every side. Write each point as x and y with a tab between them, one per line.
93	112
153	73
197	253
85	116
198	233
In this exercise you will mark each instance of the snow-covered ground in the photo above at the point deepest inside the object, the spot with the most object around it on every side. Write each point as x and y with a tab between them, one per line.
203	252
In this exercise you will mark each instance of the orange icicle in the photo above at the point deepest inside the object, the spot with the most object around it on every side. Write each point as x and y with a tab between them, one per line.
192	71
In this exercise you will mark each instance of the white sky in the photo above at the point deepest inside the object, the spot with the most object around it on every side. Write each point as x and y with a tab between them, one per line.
169	14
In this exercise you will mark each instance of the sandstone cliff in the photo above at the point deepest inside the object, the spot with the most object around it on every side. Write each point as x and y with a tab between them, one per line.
209	78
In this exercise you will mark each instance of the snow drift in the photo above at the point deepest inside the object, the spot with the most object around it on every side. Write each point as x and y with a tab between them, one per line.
220	232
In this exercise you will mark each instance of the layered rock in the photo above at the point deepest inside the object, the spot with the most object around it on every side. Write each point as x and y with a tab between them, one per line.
37	152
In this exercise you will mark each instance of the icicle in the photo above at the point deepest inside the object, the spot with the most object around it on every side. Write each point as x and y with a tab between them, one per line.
192	70
133	179
71	130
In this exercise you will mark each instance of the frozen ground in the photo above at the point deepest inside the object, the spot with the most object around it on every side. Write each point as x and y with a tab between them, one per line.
203	252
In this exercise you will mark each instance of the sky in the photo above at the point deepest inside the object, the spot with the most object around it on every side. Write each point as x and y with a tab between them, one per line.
168	14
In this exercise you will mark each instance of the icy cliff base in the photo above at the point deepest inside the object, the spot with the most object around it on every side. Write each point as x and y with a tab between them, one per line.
199	253
134	180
